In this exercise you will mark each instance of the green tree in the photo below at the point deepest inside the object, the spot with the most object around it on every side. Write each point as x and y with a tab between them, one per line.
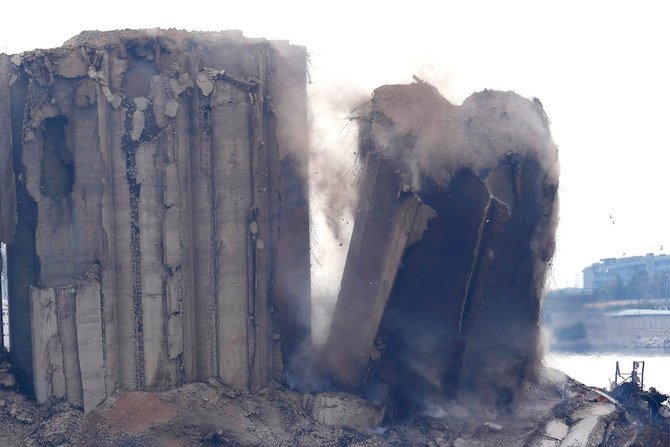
619	289
660	285
640	286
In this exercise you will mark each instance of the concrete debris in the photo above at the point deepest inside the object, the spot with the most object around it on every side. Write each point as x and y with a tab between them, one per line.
141	103
138	123
205	84
493	426
198	414
556	429
7	379
343	410
590	426
460	442
127	194
171	108
181	84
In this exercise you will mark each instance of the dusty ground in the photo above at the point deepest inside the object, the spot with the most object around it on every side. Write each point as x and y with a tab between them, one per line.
212	414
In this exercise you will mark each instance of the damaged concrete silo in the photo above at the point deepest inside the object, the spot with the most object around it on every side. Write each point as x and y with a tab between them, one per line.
454	233
150	200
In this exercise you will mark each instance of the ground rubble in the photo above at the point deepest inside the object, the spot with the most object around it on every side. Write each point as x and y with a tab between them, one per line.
557	412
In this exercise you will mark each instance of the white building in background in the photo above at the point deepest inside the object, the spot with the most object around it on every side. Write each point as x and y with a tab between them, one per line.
608	270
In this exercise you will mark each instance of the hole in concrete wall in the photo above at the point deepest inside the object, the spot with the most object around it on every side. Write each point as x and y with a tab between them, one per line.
138	78
3	296
57	160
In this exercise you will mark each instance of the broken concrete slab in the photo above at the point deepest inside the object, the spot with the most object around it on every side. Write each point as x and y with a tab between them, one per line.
16	59
343	410
590	424
171	108
129	171
181	84
204	83
72	65
554	432
90	342
49	379
492	426
556	429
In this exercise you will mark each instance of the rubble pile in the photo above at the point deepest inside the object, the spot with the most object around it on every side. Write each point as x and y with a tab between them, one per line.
560	413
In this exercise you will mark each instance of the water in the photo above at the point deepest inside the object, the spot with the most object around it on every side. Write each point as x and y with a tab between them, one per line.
597	369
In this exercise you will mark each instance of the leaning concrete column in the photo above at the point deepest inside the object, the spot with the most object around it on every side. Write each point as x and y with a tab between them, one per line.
451	304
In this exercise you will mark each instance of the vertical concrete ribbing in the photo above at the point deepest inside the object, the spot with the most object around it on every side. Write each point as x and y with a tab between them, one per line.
231	153
172	244
90	343
108	262
48	379
66	299
123	265
260	332
22	261
202	250
150	175
187	287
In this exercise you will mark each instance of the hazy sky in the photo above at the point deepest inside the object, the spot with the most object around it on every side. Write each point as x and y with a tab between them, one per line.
601	69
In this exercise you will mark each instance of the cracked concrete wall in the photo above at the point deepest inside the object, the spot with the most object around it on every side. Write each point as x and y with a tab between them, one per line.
151	193
453	237
8	197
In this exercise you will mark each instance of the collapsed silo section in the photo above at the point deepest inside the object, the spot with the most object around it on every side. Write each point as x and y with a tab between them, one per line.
454	233
154	182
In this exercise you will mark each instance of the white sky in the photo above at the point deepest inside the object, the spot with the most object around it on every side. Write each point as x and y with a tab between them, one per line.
601	69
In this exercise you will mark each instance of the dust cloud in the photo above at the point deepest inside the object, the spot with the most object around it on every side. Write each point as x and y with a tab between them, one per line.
333	172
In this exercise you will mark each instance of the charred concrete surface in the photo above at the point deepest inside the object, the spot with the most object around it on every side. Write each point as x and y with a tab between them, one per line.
454	234
150	199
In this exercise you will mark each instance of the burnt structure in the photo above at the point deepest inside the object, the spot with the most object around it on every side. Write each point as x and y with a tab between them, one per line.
154	210
454	233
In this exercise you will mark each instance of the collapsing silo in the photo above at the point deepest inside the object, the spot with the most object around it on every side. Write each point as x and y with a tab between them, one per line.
454	233
151	199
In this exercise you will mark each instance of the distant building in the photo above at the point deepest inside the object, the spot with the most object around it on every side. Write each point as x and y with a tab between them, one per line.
608	270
